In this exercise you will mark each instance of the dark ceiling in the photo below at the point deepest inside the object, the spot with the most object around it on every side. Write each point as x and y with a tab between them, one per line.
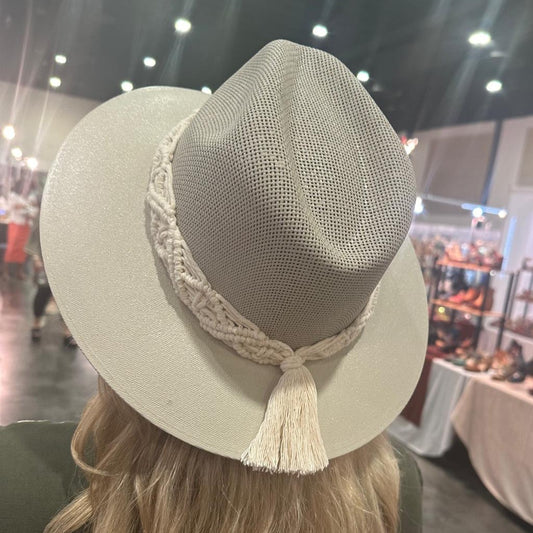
423	71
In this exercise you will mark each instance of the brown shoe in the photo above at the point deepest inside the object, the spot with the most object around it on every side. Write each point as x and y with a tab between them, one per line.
471	294
478	302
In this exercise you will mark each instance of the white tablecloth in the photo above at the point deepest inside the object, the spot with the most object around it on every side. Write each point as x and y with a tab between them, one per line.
435	434
495	422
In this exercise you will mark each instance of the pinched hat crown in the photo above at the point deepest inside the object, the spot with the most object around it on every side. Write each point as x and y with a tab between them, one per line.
276	209
293	193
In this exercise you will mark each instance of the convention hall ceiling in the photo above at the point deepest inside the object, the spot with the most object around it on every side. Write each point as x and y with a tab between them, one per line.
423	71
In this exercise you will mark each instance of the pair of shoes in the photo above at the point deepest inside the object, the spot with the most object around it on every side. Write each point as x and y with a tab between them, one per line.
35	334
69	342
478	363
465	296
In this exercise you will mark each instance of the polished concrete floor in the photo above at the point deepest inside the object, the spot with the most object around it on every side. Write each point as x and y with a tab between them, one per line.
48	381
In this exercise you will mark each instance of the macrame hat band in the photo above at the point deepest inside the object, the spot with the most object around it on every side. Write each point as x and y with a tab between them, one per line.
289	439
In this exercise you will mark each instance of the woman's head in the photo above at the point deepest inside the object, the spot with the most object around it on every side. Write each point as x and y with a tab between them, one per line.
142	479
262	259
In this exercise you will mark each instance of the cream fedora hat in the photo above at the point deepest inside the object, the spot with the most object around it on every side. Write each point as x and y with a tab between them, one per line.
236	266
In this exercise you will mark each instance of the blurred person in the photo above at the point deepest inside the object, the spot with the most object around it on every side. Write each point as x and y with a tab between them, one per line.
256	323
44	293
22	212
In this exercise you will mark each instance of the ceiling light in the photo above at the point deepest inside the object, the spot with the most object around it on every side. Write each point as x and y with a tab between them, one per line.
320	31
206	90
363	76
182	25
477	212
149	62
502	213
494	86
419	206
8	132
16	152
479	38
126	86
32	163
55	82
60	59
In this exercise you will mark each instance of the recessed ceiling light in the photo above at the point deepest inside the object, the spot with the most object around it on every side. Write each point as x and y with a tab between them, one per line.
494	86
502	213
149	62
363	76
61	59
8	132
206	90
126	86
55	82
479	38
32	163
16	152
182	25
320	31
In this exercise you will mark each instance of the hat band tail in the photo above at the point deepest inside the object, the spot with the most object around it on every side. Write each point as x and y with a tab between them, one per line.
289	438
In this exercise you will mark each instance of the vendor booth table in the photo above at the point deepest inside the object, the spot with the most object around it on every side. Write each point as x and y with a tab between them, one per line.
495	422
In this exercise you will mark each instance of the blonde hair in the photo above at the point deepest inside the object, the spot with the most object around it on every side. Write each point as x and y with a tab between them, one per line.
145	480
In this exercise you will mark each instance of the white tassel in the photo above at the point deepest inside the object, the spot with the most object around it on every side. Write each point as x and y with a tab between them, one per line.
289	438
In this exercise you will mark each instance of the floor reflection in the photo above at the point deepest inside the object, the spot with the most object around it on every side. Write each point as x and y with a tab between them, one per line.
41	380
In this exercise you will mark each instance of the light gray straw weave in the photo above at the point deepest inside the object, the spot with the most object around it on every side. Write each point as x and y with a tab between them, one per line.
293	193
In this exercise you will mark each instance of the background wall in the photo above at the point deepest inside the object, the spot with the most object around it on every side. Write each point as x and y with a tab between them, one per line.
42	120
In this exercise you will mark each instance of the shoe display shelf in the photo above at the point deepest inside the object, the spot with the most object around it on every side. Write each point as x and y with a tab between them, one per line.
519	319
468	311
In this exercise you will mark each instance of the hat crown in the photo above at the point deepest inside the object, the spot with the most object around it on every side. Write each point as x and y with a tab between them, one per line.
293	193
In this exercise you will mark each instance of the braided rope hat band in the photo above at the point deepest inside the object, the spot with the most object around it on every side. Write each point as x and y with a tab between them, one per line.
292	196
289	439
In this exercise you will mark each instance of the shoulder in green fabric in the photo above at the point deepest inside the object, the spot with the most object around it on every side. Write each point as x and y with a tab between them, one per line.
410	490
37	474
38	477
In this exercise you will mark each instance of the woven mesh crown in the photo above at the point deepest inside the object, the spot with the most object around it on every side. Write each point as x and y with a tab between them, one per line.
293	193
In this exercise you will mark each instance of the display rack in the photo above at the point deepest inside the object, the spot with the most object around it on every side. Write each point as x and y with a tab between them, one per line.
466	310
525	299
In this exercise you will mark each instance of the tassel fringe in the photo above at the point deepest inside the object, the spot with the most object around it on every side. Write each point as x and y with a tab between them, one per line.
289	438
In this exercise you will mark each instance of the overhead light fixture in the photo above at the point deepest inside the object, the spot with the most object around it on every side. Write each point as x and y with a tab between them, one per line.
8	132
494	86
32	163
16	152
363	76
60	59
419	206
206	90
319	30
126	86
182	25
55	82
484	210
479	38
149	62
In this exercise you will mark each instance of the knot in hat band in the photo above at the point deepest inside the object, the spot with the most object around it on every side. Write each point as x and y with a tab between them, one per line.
292	362
289	439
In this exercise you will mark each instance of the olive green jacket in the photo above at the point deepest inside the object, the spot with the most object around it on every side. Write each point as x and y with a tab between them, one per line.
38	477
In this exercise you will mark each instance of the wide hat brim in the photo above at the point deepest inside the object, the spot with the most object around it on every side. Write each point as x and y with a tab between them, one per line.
115	296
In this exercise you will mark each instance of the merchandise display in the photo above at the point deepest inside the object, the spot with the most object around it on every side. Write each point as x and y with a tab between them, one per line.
520	316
